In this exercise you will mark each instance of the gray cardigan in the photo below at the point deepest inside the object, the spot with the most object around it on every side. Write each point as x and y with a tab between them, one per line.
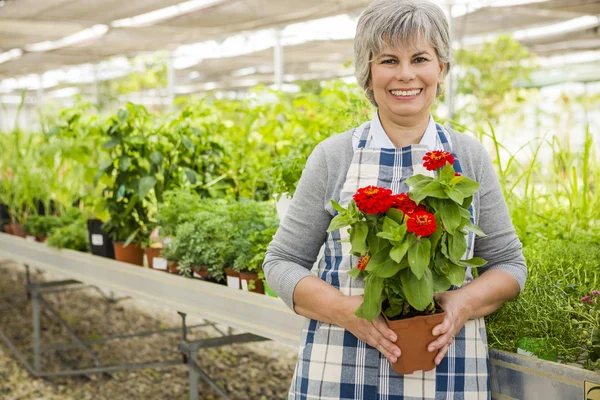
295	246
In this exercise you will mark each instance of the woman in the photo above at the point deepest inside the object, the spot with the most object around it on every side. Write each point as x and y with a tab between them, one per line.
402	52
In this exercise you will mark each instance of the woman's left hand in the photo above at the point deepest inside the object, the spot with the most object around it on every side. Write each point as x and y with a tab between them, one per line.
456	306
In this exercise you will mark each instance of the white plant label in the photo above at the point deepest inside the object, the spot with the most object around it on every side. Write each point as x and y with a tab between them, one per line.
244	285
97	239
196	275
159	263
233	282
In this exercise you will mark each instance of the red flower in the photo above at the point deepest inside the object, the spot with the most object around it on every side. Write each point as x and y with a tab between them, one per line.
421	223
437	159
373	199
457	174
404	203
587	299
362	262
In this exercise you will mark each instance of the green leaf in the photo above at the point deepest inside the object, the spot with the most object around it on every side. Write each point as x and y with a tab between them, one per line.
450	214
156	157
337	207
457	245
435	236
394	310
371	306
465	205
396	215
473	228
441	283
447	173
399	251
187	142
473	262
123	115
418	256
358	238
391	230
124	162
191	175
338	222
354	273
455	195
109	144
121	191
146	184
467	186
382	265
456	273
131	237
376	244
434	189
419	292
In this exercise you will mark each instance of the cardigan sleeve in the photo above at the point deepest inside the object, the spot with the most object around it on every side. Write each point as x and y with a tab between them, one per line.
501	247
296	244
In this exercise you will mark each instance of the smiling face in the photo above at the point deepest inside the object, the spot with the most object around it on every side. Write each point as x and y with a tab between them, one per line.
404	81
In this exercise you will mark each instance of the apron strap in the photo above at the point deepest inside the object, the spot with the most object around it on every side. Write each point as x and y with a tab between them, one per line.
364	137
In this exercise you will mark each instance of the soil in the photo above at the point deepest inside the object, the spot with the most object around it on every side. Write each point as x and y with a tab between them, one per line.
260	371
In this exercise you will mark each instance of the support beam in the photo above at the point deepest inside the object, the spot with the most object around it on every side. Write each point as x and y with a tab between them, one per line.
170	82
449	78
278	60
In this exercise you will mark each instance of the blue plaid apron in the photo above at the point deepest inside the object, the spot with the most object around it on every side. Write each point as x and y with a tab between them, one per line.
332	362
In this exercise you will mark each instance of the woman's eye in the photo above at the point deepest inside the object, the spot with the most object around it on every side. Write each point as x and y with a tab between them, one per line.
388	61
420	59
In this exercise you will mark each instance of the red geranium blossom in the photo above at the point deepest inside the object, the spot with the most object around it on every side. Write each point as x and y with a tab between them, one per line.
362	262
437	159
421	223
373	199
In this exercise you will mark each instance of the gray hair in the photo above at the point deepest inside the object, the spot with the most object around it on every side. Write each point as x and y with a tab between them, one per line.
393	22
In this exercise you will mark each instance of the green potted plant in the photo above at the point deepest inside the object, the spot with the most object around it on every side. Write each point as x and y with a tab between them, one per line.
410	247
41	226
71	236
253	226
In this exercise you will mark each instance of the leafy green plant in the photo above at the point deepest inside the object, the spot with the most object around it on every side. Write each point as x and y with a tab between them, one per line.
411	245
72	236
561	272
41	225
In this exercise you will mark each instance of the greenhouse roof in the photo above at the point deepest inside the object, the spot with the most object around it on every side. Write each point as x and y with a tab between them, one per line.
229	43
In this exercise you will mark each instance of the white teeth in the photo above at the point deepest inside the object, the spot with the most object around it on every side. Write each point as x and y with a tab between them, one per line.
405	93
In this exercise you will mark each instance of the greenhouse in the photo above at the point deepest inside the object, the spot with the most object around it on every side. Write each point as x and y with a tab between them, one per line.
261	199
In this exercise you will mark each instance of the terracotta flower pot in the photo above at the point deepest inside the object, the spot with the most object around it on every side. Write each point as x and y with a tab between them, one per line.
172	267
151	252
200	272
246	277
413	337
233	278
8	229
17	230
132	253
41	239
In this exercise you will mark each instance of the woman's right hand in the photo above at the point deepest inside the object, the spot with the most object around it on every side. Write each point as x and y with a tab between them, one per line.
375	333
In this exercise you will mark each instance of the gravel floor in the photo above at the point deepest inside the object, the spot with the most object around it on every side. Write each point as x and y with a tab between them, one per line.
259	371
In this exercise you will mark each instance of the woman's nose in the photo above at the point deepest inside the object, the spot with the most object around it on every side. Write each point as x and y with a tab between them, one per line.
405	72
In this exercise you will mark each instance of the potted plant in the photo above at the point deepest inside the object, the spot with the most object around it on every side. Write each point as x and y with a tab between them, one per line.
41	226
254	225
411	247
72	236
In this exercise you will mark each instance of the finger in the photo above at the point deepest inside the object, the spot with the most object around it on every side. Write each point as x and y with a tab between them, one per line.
386	353
388	337
444	326
382	327
441	354
442	340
